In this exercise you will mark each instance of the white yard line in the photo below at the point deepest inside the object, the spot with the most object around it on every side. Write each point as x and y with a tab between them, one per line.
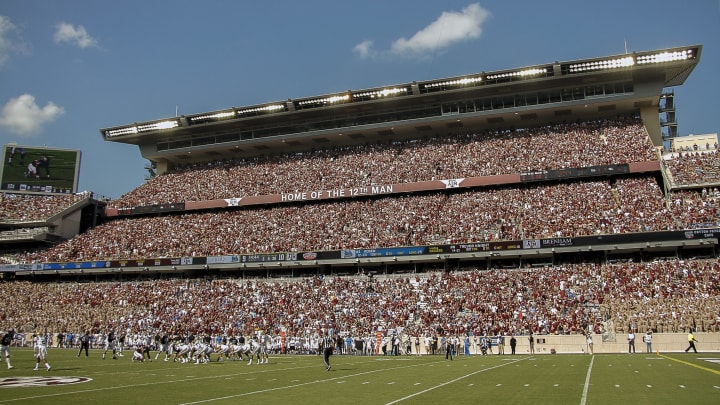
301	384
583	400
450	382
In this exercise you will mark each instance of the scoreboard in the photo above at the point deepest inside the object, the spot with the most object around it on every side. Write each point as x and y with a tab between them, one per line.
27	169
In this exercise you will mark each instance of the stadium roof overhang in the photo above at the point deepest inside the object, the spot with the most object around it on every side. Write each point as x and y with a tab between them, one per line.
515	98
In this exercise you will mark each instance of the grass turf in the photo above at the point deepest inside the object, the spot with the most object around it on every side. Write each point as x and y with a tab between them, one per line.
542	379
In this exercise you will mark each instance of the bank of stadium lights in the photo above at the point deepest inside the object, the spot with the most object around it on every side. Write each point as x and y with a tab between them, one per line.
381	93
602	64
232	114
326	100
134	129
155	126
517	73
266	108
216	116
685	54
465	81
628	61
121	131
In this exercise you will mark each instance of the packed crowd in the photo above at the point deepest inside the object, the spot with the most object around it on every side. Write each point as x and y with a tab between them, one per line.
694	167
16	207
512	213
461	155
664	296
530	212
700	208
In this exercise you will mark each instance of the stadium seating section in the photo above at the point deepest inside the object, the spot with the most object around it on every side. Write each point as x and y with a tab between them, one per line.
665	295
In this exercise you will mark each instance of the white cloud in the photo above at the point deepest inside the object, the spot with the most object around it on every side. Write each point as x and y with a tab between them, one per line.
65	32
6	44
363	49
451	27
22	116
448	29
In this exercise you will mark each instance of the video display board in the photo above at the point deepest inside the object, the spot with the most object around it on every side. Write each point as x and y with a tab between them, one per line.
39	169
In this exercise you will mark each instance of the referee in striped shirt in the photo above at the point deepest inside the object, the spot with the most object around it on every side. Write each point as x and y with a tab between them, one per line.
328	344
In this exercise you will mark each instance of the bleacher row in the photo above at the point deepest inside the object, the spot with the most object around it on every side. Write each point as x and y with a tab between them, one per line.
663	296
694	168
512	212
449	156
16	207
540	211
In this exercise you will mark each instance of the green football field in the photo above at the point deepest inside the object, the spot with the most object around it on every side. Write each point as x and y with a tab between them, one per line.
678	378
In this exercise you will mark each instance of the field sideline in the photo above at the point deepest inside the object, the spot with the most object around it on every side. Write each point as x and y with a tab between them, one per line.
539	379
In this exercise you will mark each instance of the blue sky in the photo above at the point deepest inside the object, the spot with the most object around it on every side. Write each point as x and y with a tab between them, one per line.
69	68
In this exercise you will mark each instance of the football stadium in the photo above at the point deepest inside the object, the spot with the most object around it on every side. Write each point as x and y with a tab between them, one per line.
538	233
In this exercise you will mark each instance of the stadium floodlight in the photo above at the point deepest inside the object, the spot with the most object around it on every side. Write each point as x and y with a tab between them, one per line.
601	64
326	100
168	124
394	91
661	57
465	81
121	131
266	108
517	73
216	116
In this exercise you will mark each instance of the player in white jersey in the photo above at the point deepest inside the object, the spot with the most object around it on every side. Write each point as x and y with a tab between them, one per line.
40	347
138	355
181	352
32	170
254	351
202	352
266	343
15	150
236	352
110	342
245	350
223	351
120	343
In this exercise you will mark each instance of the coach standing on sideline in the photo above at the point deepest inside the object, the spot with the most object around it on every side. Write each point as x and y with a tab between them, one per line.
328	343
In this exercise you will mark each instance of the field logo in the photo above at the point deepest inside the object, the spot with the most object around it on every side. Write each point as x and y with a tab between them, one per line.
14	382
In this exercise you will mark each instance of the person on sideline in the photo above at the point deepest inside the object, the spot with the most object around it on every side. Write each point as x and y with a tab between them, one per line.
531	340
631	341
449	348
691	342
590	343
648	341
501	343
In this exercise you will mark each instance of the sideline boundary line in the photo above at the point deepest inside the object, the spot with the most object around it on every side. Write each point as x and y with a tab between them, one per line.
687	363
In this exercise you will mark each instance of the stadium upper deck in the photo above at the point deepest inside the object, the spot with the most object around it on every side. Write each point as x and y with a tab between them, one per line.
558	93
515	98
